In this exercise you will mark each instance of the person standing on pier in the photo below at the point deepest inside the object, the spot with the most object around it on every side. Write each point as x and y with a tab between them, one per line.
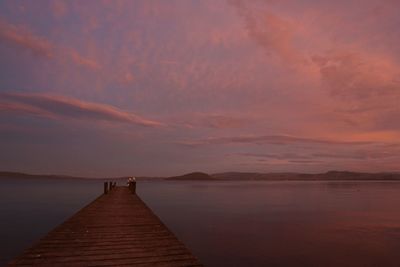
132	184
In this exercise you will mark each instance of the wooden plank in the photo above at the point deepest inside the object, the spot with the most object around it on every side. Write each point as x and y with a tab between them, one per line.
116	229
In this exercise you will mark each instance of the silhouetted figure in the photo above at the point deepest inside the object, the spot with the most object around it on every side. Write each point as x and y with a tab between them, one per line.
132	184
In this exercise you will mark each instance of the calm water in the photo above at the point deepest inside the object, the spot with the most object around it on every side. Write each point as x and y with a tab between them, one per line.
234	223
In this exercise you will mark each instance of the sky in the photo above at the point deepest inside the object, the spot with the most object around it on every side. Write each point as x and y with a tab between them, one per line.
159	88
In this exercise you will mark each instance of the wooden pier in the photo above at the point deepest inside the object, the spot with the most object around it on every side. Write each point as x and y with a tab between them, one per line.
116	229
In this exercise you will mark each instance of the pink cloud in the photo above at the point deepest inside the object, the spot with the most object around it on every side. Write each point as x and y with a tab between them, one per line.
21	37
23	109
82	61
269	139
61	106
362	82
273	32
364	85
356	75
59	8
212	120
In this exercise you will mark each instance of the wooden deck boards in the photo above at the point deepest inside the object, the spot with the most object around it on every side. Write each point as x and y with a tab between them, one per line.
116	229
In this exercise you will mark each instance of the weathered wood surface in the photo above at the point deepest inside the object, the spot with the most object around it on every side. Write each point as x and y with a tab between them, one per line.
117	229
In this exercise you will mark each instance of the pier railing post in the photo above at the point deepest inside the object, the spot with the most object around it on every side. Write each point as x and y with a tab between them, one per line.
105	187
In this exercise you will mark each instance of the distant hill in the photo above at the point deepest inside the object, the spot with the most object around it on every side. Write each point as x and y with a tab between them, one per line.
227	176
20	175
331	175
197	176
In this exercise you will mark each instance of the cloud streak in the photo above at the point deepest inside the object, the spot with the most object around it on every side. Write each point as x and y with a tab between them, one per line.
371	153
268	139
21	37
55	106
212	120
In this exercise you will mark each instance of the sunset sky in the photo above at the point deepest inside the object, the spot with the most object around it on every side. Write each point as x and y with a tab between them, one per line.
107	88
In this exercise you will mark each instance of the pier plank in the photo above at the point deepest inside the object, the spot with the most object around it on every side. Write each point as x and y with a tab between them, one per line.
116	229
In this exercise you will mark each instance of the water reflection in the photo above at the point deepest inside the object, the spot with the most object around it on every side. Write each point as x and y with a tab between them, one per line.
233	223
31	208
283	223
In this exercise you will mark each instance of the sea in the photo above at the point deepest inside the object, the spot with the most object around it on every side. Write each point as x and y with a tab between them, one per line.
231	223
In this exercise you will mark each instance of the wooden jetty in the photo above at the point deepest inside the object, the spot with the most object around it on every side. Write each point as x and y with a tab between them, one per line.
116	229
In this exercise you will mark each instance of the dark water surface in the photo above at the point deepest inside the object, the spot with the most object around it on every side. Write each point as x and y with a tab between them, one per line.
31	208
234	223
